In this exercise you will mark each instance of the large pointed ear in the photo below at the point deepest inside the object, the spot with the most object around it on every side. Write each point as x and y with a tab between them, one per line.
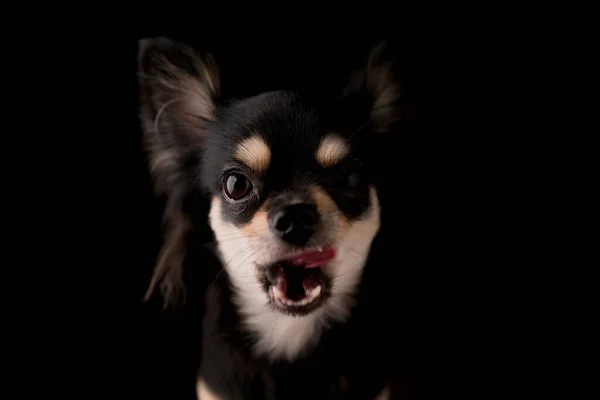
178	90
377	89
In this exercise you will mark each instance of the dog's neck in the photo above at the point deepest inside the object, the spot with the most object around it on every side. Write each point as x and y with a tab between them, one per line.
277	336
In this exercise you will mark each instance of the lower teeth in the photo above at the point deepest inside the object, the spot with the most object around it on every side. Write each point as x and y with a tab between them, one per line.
310	296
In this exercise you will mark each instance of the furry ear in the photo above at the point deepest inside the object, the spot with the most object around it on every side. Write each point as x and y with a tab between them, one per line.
178	89
177	86
377	87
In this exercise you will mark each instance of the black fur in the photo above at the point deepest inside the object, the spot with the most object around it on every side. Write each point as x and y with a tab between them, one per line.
191	134
293	129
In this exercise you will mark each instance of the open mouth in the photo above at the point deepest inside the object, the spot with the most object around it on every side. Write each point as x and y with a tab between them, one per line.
297	285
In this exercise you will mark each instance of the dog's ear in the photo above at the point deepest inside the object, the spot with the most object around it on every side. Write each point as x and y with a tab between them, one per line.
377	89
178	90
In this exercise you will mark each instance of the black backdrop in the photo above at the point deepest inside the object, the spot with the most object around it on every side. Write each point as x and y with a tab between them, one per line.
148	350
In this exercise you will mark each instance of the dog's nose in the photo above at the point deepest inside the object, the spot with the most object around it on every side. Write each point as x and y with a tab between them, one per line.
295	223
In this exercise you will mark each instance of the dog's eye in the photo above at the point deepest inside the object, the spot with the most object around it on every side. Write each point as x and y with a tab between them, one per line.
236	186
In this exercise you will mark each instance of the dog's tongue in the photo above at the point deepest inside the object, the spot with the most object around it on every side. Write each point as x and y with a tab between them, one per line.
312	259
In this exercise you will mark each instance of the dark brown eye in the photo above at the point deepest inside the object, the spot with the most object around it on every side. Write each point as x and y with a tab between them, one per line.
236	186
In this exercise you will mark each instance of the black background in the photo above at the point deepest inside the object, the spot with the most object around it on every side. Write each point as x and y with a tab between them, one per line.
142	352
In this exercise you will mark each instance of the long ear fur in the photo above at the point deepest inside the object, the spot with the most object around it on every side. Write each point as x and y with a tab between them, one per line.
378	88
178	89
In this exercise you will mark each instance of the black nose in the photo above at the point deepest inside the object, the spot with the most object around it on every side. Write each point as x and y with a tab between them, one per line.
295	223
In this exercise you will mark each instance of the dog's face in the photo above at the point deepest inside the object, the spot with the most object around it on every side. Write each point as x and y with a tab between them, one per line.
294	207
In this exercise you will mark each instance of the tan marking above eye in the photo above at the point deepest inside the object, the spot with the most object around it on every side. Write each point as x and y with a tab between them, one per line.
332	149
254	153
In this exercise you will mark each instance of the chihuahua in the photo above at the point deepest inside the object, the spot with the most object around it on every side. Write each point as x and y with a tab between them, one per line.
291	183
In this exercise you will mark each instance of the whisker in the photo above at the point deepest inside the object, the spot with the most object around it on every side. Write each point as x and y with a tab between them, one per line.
358	252
215	242
358	130
312	243
345	272
239	252
244	248
251	254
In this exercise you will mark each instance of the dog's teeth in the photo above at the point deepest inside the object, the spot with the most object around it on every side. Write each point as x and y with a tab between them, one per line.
278	293
319	248
317	291
282	298
313	293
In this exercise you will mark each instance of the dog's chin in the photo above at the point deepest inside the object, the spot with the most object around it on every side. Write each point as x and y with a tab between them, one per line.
298	285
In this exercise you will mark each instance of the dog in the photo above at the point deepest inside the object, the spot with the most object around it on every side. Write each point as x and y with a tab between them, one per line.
292	183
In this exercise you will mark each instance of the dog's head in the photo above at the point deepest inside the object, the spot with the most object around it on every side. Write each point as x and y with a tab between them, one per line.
294	208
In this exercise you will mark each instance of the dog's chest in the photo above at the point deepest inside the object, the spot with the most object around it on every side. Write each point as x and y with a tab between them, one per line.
290	382
336	369
232	373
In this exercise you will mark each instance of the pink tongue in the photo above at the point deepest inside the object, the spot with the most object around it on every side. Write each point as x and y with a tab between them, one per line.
312	259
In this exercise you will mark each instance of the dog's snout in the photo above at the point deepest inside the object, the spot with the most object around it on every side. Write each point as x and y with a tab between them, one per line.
295	223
